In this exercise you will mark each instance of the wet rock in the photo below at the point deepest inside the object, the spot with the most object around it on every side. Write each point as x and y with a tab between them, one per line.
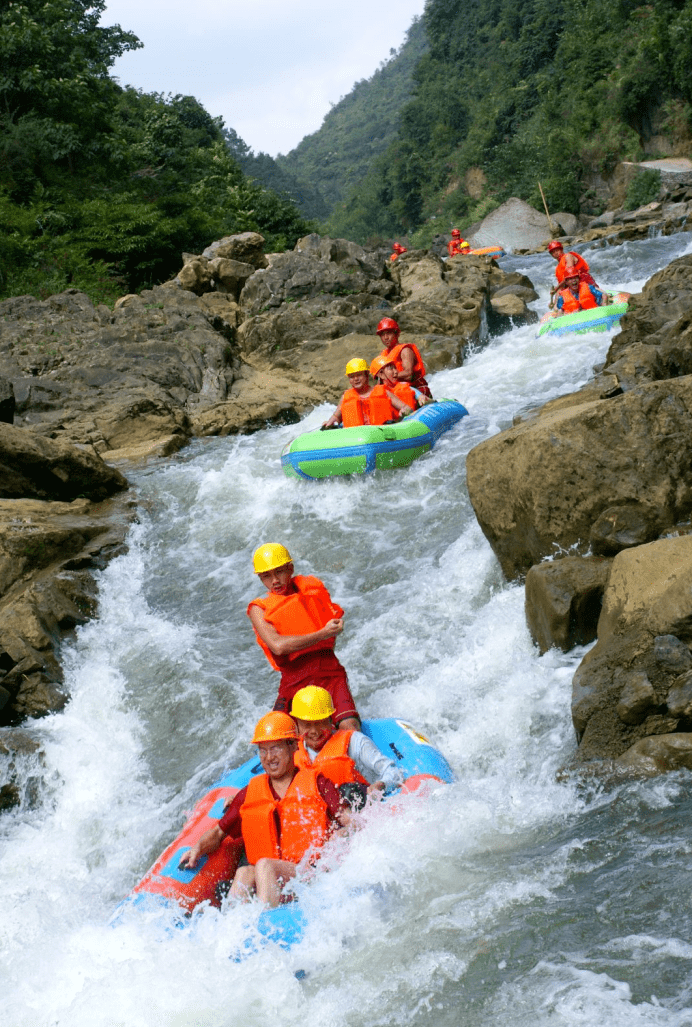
637	699
514	225
679	701
538	488
671	654
21	760
563	601
658	755
622	527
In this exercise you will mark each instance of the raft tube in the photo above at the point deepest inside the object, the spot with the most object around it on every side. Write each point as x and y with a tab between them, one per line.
369	447
176	893
488	251
597	319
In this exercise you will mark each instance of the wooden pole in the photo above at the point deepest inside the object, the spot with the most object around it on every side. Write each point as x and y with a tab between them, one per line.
547	214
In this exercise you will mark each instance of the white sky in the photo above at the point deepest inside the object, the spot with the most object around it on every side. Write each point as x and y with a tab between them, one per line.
270	68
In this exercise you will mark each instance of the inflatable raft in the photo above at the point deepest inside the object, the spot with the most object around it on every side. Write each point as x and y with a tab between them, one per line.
338	451
174	893
597	319
488	251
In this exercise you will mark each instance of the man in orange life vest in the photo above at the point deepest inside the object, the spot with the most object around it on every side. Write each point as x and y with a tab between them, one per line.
570	261
281	814
576	294
384	369
345	757
409	362
457	246
296	624
364	403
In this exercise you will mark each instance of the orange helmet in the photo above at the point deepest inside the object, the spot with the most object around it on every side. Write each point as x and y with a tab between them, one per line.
388	324
554	245
455	231
378	363
274	727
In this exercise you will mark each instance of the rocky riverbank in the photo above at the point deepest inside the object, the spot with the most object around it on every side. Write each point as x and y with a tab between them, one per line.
605	475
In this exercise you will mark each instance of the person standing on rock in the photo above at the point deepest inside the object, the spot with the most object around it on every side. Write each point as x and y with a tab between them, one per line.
457	246
296	625
569	261
364	403
576	294
408	361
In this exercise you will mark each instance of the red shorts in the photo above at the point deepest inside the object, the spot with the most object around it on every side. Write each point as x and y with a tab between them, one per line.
322	669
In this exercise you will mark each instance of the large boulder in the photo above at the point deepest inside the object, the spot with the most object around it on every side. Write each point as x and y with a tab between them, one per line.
538	488
515	226
563	601
636	682
46	469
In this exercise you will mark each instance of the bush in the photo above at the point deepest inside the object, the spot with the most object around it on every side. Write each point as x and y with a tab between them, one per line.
644	188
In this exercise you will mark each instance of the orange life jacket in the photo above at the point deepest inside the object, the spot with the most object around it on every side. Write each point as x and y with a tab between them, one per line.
581	266
332	760
302	815
454	247
300	613
405	393
376	409
570	302
395	354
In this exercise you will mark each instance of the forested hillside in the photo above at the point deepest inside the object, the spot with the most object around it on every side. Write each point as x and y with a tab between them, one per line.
358	129
102	187
511	94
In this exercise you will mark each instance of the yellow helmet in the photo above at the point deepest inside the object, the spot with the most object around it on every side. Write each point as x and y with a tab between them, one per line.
274	727
355	365
269	556
312	703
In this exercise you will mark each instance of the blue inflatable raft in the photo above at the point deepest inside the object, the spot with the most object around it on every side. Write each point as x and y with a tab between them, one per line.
174	893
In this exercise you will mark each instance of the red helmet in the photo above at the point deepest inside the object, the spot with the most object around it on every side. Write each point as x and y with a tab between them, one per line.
554	245
455	231
388	324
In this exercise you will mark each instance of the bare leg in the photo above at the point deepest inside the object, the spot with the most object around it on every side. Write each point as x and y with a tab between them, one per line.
270	876
243	883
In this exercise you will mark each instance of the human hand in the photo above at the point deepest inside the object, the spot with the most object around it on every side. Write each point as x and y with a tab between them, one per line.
376	790
333	627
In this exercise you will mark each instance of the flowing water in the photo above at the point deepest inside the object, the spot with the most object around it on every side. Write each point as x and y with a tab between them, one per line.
509	897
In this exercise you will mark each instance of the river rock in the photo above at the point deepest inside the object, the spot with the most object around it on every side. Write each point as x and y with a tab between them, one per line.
21	765
538	488
515	225
635	682
622	527
7	402
48	553
48	469
563	601
245	247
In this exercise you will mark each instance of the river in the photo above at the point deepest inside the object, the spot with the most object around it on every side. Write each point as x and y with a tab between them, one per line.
510	897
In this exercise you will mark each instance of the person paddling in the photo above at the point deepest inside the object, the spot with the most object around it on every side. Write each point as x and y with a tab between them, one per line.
296	625
364	403
408	361
281	815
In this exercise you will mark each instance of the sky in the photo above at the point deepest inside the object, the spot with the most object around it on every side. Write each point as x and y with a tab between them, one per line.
270	68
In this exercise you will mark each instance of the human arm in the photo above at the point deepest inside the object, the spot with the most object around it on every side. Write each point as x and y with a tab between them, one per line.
403	408
334	418
377	769
206	844
337	807
408	362
284	645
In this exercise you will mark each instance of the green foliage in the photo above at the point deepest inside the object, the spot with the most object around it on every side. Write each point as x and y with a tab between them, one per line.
644	188
525	93
102	188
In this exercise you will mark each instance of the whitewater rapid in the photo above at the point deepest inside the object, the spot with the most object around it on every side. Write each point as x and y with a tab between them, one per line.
511	896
